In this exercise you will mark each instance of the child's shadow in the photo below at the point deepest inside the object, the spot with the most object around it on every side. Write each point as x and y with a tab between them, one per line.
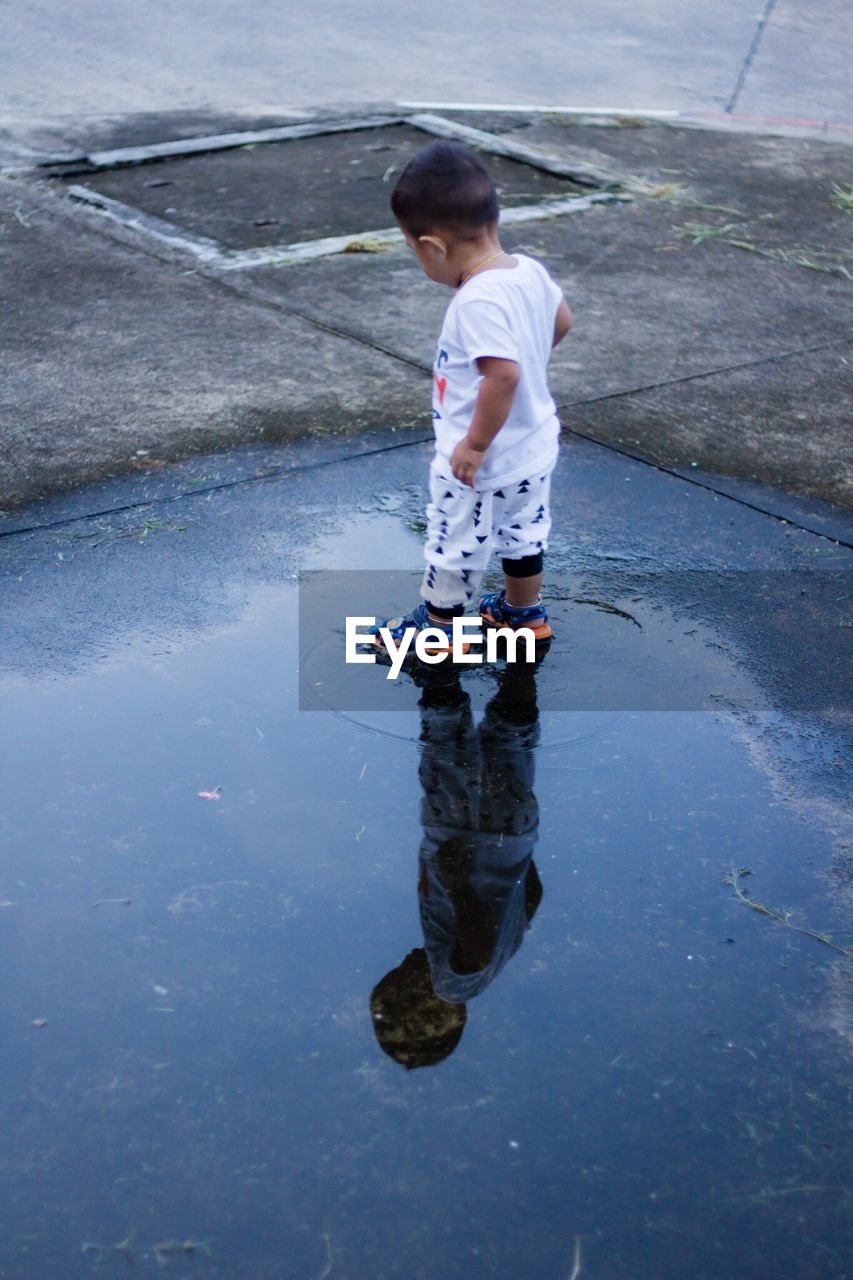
478	887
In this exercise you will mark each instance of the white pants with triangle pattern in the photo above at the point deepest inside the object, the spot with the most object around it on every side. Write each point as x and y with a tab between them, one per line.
464	527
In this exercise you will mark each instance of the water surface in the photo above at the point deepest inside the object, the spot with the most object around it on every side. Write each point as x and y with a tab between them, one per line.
649	1068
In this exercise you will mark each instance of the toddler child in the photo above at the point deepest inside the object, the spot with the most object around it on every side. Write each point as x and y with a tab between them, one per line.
496	429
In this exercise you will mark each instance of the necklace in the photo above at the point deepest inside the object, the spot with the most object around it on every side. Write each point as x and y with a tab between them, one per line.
485	262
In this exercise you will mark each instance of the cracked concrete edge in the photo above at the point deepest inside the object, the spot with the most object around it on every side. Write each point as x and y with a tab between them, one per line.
234	139
711	121
201	247
436	126
432	125
21	150
215	255
17	154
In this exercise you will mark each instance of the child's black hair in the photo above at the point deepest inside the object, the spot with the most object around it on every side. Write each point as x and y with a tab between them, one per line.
446	187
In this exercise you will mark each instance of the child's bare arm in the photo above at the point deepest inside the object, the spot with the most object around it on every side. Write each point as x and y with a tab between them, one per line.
562	322
494	401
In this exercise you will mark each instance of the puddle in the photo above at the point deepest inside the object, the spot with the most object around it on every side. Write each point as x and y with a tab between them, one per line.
450	991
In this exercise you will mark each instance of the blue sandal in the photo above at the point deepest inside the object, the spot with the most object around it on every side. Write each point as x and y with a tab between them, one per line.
419	619
495	611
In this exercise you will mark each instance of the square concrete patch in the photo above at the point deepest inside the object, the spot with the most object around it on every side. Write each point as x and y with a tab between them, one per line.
298	190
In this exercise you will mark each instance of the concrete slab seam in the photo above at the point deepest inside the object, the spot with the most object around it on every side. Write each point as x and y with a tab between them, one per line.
523	108
283	472
117	228
746	67
274	473
709	488
232	284
709	373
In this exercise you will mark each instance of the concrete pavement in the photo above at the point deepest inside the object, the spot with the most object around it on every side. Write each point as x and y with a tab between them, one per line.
777	58
711	318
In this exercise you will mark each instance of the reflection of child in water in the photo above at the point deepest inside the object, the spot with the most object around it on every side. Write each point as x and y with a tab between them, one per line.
477	886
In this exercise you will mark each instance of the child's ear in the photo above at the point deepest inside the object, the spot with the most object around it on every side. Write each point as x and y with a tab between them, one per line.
436	242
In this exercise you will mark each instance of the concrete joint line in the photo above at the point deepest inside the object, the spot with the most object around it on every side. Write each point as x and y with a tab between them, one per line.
282	255
707	373
272	473
708	488
750	56
283	473
249	290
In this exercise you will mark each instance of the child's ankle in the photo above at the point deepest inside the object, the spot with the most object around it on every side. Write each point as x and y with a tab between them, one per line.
443	615
530	604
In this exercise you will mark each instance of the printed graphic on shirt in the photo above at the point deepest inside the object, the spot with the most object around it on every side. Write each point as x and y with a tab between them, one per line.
439	382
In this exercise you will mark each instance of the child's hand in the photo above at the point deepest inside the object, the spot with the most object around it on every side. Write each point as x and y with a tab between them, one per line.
465	462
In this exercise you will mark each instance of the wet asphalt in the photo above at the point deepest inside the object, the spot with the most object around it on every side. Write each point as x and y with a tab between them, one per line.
213	857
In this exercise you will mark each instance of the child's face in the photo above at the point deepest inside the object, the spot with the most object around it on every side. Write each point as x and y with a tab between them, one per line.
433	252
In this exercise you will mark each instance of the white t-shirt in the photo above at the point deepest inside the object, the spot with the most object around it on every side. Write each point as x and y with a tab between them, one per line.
508	313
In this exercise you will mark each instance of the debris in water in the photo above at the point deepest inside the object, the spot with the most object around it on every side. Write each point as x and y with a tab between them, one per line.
39	1023
168	1248
366	244
604	607
106	902
123	1246
780	917
215	794
327	1266
577	1263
